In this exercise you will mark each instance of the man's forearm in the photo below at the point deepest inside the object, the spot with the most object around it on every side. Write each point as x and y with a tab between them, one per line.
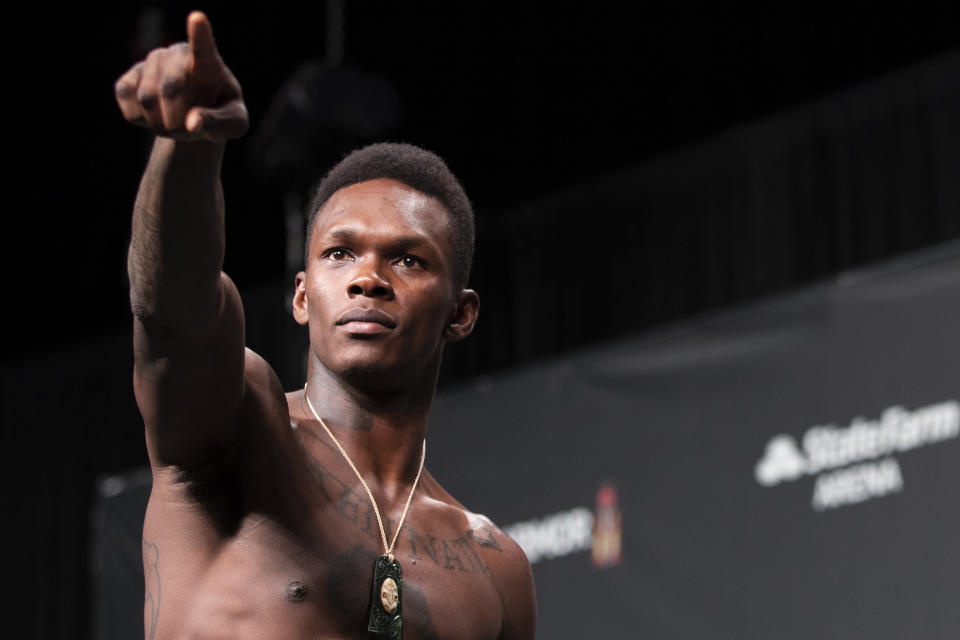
188	324
177	241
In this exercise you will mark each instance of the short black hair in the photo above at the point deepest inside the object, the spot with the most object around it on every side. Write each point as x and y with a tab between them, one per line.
415	167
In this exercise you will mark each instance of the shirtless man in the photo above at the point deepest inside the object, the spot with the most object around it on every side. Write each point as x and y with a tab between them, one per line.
257	525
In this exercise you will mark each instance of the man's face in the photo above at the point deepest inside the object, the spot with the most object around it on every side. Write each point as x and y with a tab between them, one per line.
378	291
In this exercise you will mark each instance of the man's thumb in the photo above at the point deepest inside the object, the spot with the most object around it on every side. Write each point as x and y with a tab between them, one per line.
219	124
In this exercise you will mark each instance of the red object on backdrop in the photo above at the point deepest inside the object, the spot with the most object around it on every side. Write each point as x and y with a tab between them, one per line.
607	533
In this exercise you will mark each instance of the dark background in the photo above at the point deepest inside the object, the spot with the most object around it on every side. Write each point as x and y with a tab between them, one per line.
521	99
533	107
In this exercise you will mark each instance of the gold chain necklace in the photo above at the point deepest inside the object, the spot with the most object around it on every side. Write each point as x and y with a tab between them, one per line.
385	609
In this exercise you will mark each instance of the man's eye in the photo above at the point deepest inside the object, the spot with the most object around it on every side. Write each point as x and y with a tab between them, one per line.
337	254
409	261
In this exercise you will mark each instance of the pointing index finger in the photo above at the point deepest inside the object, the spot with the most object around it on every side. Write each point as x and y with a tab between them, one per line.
200	36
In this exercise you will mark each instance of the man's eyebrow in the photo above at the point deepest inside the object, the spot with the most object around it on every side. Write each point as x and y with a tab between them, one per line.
341	234
401	243
396	243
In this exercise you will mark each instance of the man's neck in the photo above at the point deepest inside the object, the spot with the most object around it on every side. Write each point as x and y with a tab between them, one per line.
382	430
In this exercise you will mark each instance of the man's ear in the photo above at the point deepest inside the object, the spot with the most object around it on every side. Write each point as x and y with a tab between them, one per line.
300	299
464	316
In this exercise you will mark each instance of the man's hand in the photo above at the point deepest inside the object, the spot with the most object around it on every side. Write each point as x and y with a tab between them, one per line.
185	91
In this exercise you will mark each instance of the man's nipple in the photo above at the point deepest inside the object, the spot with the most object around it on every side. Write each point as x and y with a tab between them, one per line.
296	591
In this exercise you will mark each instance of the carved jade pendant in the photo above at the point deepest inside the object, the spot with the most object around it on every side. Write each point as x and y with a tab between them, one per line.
386	600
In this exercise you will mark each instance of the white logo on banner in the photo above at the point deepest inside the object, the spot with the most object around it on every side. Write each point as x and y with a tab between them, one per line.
844	459
560	534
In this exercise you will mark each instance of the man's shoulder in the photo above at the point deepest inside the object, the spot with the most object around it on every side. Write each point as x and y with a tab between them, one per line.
505	558
259	375
510	562
510	573
478	527
486	533
264	398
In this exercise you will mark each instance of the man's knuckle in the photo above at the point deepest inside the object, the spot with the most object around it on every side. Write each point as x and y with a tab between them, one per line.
147	99
172	86
153	57
124	89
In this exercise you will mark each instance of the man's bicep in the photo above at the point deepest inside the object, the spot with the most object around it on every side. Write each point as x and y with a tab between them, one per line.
188	380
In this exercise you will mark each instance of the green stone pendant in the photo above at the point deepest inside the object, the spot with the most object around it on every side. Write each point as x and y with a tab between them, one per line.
385	603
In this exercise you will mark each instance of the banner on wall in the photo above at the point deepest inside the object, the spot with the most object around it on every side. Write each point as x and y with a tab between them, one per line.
784	470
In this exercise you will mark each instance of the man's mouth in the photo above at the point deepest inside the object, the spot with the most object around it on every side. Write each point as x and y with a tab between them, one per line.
366	321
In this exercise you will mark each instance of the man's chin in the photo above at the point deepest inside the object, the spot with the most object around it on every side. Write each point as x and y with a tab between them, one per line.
373	367
373	375
384	377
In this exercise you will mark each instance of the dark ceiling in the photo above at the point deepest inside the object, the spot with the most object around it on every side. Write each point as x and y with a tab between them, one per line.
520	100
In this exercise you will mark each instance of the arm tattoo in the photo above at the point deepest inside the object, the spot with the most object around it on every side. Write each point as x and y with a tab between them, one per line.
151	574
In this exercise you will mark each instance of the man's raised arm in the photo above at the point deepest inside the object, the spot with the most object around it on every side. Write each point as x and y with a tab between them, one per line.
188	319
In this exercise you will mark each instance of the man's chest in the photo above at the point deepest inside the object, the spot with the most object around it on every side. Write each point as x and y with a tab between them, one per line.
434	601
265	583
305	554
446	589
323	585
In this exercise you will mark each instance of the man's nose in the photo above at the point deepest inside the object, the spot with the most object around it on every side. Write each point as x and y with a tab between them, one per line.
370	282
